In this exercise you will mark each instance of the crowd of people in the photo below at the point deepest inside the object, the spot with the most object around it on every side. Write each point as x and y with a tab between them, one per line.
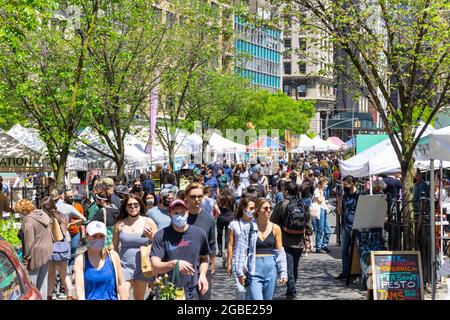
260	224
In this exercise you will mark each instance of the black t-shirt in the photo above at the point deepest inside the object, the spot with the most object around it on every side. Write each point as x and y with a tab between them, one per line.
207	223
111	216
168	244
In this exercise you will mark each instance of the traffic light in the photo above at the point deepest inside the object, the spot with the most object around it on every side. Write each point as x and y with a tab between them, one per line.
357	124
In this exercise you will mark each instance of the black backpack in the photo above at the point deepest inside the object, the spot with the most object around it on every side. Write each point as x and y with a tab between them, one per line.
296	217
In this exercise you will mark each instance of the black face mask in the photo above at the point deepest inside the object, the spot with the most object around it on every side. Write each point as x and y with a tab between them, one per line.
347	189
415	180
69	200
137	189
165	202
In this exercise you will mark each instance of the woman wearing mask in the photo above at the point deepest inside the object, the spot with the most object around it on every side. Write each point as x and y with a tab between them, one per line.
321	226
260	255
98	275
242	220
59	262
149	200
132	231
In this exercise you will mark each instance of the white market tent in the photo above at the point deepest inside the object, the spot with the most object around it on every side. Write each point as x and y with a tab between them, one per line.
30	138
315	144
16	157
219	144
380	158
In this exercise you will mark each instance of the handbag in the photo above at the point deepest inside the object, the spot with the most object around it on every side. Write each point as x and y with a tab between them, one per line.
61	251
57	234
146	265
314	210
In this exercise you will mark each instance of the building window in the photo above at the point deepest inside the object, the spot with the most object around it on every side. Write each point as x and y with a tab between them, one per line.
302	44
302	67
301	89
287	68
287	43
287	89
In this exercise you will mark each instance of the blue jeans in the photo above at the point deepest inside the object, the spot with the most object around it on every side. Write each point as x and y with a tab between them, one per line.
307	202
262	283
322	229
292	258
74	244
345	250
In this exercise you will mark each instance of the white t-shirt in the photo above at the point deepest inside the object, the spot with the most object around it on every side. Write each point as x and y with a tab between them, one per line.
237	226
237	191
319	198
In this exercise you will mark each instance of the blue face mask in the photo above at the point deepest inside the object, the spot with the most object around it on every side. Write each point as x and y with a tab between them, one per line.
179	220
96	244
249	214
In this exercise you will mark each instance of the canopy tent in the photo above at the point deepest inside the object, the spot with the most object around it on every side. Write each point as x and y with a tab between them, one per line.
380	158
337	141
265	142
323	146
134	146
313	145
16	157
351	142
30	138
219	144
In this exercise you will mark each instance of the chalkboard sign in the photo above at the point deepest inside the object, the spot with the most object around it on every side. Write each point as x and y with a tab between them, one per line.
368	240
397	275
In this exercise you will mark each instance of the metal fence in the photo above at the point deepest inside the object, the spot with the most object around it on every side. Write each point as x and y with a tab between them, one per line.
34	194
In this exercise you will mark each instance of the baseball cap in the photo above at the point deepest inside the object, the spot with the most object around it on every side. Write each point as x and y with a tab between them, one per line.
55	194
165	192
177	202
107	181
95	227
122	190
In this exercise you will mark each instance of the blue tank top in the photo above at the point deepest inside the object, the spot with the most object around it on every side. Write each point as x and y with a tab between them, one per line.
99	284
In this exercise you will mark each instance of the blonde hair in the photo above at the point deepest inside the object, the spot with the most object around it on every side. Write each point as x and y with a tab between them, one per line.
25	206
192	186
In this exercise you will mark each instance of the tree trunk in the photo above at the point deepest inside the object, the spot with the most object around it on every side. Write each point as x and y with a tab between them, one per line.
407	167
120	167
60	169
171	147
204	146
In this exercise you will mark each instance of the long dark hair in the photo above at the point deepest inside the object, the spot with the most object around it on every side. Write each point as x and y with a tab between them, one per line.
243	204
226	199
49	207
123	208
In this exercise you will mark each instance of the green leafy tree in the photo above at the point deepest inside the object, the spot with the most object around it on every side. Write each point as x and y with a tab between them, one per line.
273	111
195	50
214	99
395	46
43	72
127	52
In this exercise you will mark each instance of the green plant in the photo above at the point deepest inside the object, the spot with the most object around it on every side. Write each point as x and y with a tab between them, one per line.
9	230
167	289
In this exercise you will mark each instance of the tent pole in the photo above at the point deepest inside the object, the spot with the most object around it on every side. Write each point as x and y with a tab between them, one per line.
432	232
370	185
441	182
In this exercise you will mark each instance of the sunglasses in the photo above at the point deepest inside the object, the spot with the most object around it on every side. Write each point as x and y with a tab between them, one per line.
137	185
193	197
266	208
133	205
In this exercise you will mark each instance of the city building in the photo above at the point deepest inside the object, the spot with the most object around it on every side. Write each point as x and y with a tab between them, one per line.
258	51
307	71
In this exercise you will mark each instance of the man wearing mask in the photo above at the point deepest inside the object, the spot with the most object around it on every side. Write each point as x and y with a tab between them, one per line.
348	202
160	213
184	247
213	183
204	221
108	186
4	203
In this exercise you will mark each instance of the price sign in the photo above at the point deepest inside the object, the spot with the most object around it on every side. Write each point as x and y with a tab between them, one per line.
397	275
